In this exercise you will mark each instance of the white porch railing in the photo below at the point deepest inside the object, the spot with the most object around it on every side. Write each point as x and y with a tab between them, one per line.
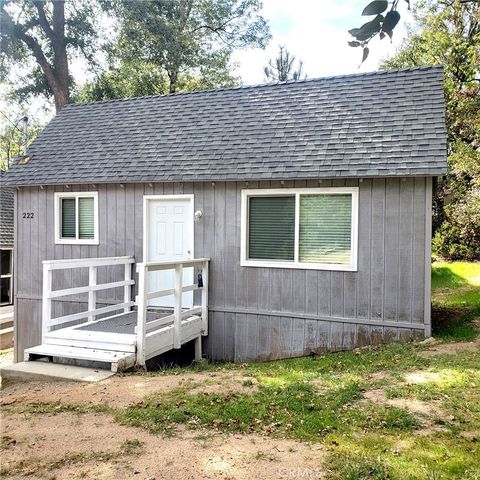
149	333
49	295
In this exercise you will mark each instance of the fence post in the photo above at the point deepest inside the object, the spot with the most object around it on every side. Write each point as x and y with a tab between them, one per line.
46	300
92	295
205	298
142	312
177	311
127	289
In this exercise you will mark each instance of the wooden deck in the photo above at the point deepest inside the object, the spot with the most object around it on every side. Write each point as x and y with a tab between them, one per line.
123	339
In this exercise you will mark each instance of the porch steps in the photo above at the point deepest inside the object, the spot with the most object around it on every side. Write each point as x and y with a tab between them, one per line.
90	340
51	372
119	360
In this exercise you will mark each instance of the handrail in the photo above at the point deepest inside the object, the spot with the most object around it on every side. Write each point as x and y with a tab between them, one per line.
92	288
144	296
66	263
155	266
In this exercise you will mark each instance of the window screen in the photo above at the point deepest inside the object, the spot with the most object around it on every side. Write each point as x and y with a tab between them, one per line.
86	220
325	228
68	218
271	223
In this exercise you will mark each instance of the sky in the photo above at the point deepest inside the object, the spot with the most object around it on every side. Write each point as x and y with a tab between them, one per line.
316	31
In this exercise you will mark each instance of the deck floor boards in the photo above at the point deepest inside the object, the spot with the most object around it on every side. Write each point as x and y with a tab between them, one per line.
125	323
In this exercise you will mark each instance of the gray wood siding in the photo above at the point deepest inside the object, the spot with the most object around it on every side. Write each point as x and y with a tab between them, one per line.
255	313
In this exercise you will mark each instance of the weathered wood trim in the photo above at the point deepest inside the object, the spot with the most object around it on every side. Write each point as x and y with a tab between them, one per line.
306	316
428	258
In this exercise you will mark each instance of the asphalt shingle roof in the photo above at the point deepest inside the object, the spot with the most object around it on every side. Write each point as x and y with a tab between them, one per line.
6	214
375	124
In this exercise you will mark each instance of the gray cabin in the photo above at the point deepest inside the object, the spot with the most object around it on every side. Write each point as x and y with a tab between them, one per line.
269	221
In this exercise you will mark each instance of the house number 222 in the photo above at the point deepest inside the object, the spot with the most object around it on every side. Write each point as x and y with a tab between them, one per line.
28	214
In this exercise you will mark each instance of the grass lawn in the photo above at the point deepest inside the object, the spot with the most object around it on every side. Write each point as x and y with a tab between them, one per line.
455	298
388	412
399	411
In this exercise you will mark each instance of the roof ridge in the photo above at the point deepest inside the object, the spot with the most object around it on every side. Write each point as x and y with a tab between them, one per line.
260	85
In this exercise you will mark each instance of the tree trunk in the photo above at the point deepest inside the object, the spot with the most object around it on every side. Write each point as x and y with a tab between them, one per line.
54	70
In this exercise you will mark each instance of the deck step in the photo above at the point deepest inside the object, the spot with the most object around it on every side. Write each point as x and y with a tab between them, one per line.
90	342
118	360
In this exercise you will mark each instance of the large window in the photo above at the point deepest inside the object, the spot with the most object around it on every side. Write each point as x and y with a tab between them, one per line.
76	218
300	228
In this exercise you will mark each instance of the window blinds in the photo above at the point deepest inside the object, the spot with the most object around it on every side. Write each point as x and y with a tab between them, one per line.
271	228
68	218
86	217
325	228
86	220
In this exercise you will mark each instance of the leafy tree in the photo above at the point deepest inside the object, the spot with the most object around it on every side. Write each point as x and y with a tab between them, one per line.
187	39
449	34
12	138
44	34
382	24
283	68
138	79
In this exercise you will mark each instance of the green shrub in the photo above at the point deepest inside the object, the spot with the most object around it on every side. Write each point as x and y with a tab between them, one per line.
458	237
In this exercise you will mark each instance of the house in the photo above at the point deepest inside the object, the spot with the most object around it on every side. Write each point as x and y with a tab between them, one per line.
273	220
6	242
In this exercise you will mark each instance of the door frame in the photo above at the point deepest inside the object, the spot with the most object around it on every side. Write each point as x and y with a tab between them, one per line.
146	218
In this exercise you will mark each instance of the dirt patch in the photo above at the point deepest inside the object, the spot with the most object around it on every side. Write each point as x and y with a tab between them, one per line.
70	446
450	348
447	316
122	391
414	406
225	383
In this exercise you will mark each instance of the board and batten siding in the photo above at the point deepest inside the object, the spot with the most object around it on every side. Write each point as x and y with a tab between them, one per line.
255	312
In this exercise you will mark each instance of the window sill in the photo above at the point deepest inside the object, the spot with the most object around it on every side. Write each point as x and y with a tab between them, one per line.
299	266
76	242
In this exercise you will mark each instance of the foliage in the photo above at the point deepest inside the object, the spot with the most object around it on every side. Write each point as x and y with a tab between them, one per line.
42	36
449	34
185	44
283	69
12	141
382	24
458	237
135	79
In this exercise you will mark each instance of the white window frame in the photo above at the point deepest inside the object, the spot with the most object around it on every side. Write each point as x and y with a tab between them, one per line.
75	241
246	262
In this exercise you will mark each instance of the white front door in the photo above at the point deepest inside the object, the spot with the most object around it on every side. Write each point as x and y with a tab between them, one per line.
169	238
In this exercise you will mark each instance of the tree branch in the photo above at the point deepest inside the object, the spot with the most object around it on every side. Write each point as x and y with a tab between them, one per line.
43	21
34	47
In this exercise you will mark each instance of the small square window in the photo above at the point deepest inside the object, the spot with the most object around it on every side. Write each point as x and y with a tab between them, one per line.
76	218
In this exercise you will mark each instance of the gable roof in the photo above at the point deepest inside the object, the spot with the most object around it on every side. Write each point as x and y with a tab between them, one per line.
6	214
385	123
